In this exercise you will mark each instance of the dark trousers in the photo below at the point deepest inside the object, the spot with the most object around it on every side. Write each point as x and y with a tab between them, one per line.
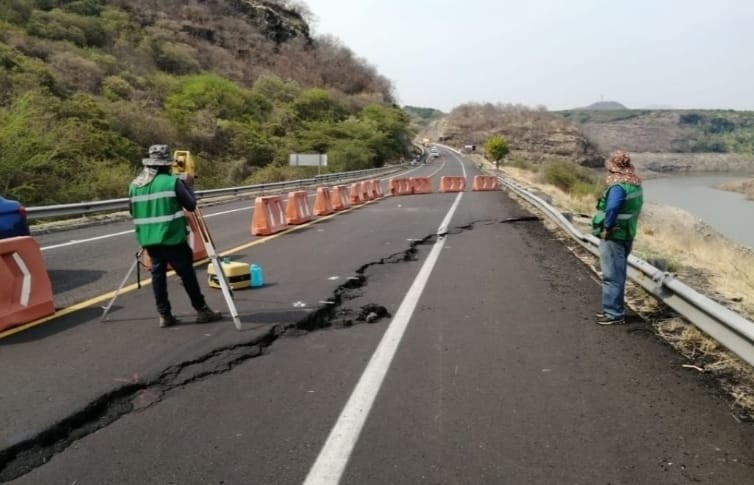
180	258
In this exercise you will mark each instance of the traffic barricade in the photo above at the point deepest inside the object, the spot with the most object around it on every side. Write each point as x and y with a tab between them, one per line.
355	194
323	202
366	190
25	288
340	199
193	238
400	186
421	185
268	217
484	182
298	210
452	184
377	188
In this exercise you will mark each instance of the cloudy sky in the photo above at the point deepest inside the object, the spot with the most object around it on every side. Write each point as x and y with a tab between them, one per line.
557	53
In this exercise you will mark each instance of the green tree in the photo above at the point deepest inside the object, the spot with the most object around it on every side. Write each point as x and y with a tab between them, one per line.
496	148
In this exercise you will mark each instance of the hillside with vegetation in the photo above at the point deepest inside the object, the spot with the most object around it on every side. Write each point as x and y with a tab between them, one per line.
87	85
422	117
531	134
668	131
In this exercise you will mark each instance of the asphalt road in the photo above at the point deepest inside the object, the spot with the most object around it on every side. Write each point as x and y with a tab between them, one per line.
488	368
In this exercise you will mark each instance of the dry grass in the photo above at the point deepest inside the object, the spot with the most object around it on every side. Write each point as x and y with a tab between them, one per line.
745	187
698	256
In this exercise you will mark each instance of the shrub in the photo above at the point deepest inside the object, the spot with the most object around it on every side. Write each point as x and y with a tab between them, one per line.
214	96
139	125
709	146
16	11
522	164
59	25
569	177
176	58
74	73
115	88
84	7
318	105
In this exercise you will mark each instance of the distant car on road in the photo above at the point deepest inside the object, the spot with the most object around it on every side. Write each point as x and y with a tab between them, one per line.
434	152
12	219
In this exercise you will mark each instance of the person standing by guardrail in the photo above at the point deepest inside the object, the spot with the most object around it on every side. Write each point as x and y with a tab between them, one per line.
156	202
615	223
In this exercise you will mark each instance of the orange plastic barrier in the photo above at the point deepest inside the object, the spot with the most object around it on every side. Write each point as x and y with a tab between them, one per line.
193	239
484	182
340	198
355	193
298	210
452	184
421	185
366	190
400	186
25	288
377	189
323	202
268	217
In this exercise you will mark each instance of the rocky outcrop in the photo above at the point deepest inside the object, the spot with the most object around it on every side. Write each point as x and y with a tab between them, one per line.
532	135
694	162
277	22
209	20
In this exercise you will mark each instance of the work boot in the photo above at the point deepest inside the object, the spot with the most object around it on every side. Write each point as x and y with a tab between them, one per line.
168	320
206	315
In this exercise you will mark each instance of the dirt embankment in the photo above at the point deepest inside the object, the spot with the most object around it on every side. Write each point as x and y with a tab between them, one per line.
694	162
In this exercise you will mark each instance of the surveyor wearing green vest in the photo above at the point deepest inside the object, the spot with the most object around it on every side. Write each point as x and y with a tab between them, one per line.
615	223
157	201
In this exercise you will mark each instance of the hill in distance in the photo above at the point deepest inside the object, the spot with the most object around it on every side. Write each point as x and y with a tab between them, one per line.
604	106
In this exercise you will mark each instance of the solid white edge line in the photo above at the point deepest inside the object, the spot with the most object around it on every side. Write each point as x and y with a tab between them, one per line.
333	458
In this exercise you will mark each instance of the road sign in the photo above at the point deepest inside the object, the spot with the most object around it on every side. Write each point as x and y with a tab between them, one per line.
308	159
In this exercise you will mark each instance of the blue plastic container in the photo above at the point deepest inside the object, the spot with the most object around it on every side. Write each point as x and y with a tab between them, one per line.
257	278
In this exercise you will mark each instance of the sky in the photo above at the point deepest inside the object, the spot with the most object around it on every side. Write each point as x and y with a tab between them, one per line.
557	53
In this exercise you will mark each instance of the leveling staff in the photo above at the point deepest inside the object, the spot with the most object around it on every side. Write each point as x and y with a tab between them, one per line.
157	200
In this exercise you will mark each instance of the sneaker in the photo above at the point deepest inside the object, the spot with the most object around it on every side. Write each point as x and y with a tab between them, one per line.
168	321
608	320
206	315
600	315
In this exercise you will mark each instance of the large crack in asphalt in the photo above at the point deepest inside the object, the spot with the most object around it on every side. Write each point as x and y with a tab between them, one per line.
23	457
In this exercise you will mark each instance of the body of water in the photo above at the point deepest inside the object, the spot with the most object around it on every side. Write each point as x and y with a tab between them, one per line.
730	213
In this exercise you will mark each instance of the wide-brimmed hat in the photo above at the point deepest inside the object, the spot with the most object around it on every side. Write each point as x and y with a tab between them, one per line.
620	169
159	156
619	162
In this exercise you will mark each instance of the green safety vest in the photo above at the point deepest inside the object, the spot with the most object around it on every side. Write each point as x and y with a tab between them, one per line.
628	214
158	216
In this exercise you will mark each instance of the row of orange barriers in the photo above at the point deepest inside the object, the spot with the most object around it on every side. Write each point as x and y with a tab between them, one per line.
423	185
25	287
26	290
270	217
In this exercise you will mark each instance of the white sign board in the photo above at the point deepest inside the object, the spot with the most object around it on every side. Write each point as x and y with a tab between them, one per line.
308	159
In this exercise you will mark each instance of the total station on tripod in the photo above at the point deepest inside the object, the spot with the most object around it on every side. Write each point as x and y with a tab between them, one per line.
183	165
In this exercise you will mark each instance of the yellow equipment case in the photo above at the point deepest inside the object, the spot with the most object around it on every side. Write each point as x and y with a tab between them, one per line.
236	273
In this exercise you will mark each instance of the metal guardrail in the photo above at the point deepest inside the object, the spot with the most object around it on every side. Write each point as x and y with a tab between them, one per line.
728	328
84	208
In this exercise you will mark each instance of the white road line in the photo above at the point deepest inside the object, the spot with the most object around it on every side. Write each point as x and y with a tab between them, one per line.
332	460
130	231
82	241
